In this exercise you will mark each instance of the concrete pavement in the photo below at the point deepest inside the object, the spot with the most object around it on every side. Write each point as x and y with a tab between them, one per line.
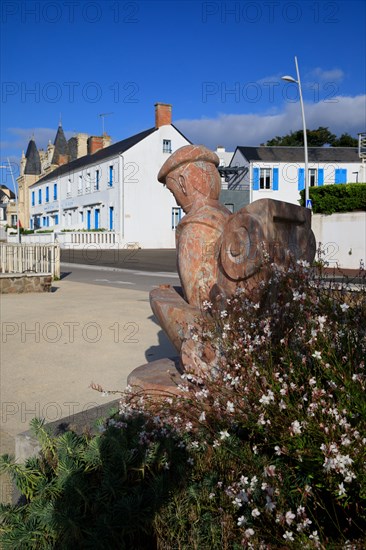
53	345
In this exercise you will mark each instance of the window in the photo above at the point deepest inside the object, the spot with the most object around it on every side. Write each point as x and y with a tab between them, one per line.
33	198
31	223
81	216
88	179
80	185
88	219
312	177
56	219
110	183
68	192
55	191
111	218
265	178
176	216
47	194
167	146
13	220
39	196
96	185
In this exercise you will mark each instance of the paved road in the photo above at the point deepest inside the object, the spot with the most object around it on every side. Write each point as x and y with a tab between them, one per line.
116	277
162	260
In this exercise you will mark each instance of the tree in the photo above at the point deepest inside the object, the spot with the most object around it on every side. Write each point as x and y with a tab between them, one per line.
316	138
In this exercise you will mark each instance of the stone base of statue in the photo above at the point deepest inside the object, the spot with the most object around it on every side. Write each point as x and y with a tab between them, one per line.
160	377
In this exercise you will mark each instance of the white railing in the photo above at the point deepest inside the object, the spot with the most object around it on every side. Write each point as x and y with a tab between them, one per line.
78	239
34	258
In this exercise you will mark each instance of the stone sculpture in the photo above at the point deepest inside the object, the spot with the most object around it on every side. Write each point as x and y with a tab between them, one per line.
217	251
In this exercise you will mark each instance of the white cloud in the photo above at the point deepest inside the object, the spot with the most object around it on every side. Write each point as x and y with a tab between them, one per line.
332	75
340	114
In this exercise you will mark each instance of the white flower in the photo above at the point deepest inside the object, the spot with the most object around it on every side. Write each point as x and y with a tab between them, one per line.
317	355
344	307
249	533
266	399
241	521
224	434
342	490
314	536
230	407
290	516
255	513
296	427
288	536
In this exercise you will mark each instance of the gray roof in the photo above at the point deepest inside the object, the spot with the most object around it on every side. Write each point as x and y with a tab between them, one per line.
33	164
87	160
296	154
61	146
112	150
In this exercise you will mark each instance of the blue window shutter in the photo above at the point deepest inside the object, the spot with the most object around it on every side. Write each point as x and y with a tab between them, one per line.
337	176
344	175
275	179
301	179
33	198
255	179
47	194
56	219
321	176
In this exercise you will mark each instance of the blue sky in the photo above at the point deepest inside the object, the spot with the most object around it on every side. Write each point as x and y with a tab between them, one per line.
218	63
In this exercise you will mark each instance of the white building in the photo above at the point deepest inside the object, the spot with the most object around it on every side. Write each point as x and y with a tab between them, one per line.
278	172
115	188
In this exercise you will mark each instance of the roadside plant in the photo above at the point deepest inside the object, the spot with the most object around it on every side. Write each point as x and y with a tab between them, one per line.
276	434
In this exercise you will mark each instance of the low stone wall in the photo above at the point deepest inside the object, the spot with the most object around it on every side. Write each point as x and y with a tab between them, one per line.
18	283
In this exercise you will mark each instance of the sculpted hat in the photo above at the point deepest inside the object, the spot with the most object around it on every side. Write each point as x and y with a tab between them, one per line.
184	155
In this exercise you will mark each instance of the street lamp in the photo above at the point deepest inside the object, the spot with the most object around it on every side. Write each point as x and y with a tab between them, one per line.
16	197
298	82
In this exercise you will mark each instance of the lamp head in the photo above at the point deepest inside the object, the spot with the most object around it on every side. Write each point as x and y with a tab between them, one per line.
289	79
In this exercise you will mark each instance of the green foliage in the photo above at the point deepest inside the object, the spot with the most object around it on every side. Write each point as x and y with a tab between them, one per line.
329	199
316	138
92	492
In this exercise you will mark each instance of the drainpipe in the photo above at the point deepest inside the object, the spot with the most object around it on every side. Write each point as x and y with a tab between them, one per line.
122	196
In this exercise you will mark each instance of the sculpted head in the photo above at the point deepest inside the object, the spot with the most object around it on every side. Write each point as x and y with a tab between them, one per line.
191	175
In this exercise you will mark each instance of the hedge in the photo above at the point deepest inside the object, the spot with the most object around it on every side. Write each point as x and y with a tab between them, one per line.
329	199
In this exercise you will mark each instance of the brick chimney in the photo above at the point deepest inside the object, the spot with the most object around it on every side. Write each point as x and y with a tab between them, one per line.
163	114
95	143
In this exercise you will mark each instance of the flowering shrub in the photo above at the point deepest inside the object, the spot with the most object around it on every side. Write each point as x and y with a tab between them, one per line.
276	435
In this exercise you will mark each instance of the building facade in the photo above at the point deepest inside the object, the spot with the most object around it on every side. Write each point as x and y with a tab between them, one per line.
114	188
278	172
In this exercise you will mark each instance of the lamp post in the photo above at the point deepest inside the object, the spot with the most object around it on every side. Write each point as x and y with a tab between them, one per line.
298	82
16	197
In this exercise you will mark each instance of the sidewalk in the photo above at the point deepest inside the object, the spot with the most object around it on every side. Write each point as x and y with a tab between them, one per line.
53	345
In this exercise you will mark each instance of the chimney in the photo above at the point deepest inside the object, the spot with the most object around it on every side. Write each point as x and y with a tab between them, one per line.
95	143
163	114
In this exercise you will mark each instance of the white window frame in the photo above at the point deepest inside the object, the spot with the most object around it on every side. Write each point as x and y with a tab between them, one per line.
265	179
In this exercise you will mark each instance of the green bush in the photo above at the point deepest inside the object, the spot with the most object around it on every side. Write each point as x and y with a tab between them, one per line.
92	492
329	199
